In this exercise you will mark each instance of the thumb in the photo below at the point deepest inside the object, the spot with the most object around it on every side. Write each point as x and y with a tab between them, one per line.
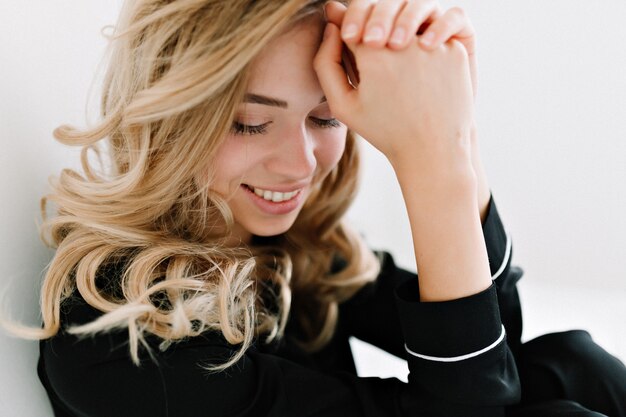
330	72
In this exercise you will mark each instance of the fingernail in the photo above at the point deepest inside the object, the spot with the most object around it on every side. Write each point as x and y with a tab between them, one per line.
428	38
373	34
398	35
350	31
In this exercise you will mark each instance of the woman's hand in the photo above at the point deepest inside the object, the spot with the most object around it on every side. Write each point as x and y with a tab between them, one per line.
423	18
413	104
401	21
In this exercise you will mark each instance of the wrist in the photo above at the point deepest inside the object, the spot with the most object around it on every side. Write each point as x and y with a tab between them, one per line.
483	190
448	162
431	198
458	179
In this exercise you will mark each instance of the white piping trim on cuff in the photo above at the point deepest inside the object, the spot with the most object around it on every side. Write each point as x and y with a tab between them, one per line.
507	255
458	358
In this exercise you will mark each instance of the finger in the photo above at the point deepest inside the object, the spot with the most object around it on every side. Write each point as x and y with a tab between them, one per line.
354	20
380	22
415	16
335	12
330	73
453	24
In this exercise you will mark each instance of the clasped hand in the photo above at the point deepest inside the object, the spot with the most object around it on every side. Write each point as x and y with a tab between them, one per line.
415	99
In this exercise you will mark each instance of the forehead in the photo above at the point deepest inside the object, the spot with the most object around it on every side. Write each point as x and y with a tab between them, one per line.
287	61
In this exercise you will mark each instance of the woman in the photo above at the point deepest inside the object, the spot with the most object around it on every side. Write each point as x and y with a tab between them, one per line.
206	269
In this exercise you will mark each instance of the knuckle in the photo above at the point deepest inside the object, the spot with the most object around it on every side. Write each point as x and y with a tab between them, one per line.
427	6
414	9
361	5
437	9
356	12
430	4
382	15
443	25
390	6
457	49
411	13
457	12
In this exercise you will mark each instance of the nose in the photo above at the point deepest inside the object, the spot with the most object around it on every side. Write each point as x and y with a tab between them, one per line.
293	157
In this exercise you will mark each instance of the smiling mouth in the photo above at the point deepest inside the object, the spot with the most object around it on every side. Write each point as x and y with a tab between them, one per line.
273	196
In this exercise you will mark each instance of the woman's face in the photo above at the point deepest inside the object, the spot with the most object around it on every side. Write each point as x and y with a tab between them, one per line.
284	141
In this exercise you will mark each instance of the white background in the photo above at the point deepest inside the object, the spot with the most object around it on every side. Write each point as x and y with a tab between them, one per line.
551	114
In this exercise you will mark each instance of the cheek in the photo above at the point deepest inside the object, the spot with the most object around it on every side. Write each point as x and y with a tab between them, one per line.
231	163
330	153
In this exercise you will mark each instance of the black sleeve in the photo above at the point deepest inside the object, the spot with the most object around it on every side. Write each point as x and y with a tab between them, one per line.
372	315
505	275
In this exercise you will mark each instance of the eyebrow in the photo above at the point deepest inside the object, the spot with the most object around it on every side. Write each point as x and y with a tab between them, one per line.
270	101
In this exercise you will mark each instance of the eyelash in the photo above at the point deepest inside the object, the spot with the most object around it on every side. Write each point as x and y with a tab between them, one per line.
241	129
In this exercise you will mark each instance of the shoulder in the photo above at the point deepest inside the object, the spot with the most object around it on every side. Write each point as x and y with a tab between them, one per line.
96	374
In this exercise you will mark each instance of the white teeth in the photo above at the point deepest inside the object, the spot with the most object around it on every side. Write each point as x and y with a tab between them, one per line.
274	196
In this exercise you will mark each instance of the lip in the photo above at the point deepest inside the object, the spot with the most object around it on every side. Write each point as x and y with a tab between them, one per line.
270	207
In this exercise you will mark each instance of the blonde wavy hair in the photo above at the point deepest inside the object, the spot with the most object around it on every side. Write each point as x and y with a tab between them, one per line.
139	235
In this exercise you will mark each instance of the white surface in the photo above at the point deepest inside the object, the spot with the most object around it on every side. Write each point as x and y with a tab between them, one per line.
551	117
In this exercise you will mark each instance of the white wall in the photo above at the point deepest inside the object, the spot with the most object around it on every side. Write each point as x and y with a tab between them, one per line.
551	114
49	53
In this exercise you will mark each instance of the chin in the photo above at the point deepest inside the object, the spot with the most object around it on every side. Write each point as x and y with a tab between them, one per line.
271	228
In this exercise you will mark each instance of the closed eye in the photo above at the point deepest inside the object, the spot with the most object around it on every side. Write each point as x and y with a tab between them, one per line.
243	129
326	122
